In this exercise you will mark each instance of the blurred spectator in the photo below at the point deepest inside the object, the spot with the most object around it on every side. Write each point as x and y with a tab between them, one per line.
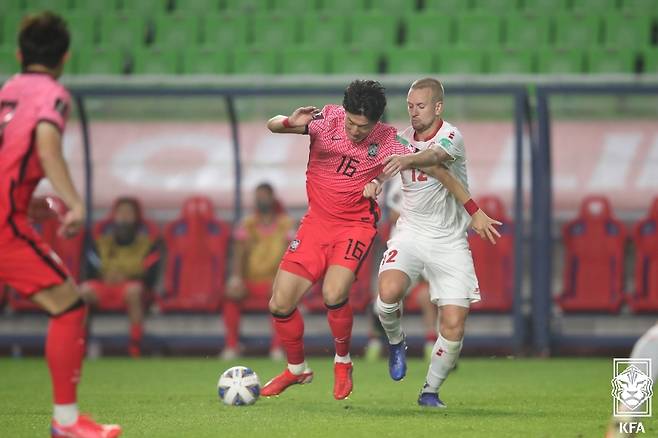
260	242
123	266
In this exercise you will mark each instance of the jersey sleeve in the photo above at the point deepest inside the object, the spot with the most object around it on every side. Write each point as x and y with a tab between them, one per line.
400	145
55	108
321	122
452	143
397	144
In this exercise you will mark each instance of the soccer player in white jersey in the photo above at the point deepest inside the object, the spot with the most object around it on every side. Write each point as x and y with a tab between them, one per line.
431	239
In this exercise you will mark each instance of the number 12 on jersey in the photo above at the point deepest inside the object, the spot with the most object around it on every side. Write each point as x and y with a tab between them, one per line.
418	175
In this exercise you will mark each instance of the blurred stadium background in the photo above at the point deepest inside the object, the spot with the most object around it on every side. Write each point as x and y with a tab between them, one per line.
557	101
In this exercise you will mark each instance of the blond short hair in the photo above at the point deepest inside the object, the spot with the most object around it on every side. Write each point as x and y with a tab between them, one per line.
435	85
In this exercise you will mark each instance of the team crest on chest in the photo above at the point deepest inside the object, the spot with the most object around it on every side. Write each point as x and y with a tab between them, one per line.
372	149
294	245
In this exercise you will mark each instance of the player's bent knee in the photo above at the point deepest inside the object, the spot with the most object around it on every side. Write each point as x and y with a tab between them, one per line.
336	290
57	299
452	332
392	286
278	308
387	308
79	303
134	292
391	291
334	296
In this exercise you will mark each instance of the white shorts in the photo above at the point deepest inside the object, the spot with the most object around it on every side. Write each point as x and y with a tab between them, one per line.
446	265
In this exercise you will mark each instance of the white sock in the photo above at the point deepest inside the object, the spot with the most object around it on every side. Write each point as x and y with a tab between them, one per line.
66	415
390	316
444	356
297	368
343	359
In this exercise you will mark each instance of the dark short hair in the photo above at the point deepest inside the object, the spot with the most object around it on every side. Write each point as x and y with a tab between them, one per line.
265	186
43	39
366	98
132	202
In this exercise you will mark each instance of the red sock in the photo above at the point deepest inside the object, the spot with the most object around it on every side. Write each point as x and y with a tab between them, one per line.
340	319
290	330
65	346
232	322
276	340
136	333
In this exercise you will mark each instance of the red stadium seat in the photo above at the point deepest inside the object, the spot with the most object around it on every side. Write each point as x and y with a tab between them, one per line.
494	264
645	298
46	223
360	294
197	244
594	259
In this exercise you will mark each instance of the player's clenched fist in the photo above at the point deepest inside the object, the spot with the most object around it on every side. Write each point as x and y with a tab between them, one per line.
372	190
302	116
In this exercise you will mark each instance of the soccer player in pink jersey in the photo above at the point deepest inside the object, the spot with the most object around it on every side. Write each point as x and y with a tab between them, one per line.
33	112
348	145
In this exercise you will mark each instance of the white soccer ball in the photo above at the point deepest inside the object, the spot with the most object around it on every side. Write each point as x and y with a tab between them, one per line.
238	386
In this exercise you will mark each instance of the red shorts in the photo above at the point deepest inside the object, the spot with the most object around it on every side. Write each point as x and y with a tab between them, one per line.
111	296
320	244
28	264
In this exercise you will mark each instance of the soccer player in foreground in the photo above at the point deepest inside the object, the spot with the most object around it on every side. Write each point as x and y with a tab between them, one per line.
431	239
33	112
347	150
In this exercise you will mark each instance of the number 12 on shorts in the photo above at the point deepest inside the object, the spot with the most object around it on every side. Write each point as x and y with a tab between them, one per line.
389	257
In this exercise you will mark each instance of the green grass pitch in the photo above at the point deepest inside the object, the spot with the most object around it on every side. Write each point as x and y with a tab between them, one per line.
178	398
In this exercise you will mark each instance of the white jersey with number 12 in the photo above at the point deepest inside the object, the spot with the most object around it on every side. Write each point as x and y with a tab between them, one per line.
428	208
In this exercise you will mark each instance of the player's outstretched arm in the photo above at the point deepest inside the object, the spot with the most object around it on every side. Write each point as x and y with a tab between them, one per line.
49	149
481	223
295	123
426	158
